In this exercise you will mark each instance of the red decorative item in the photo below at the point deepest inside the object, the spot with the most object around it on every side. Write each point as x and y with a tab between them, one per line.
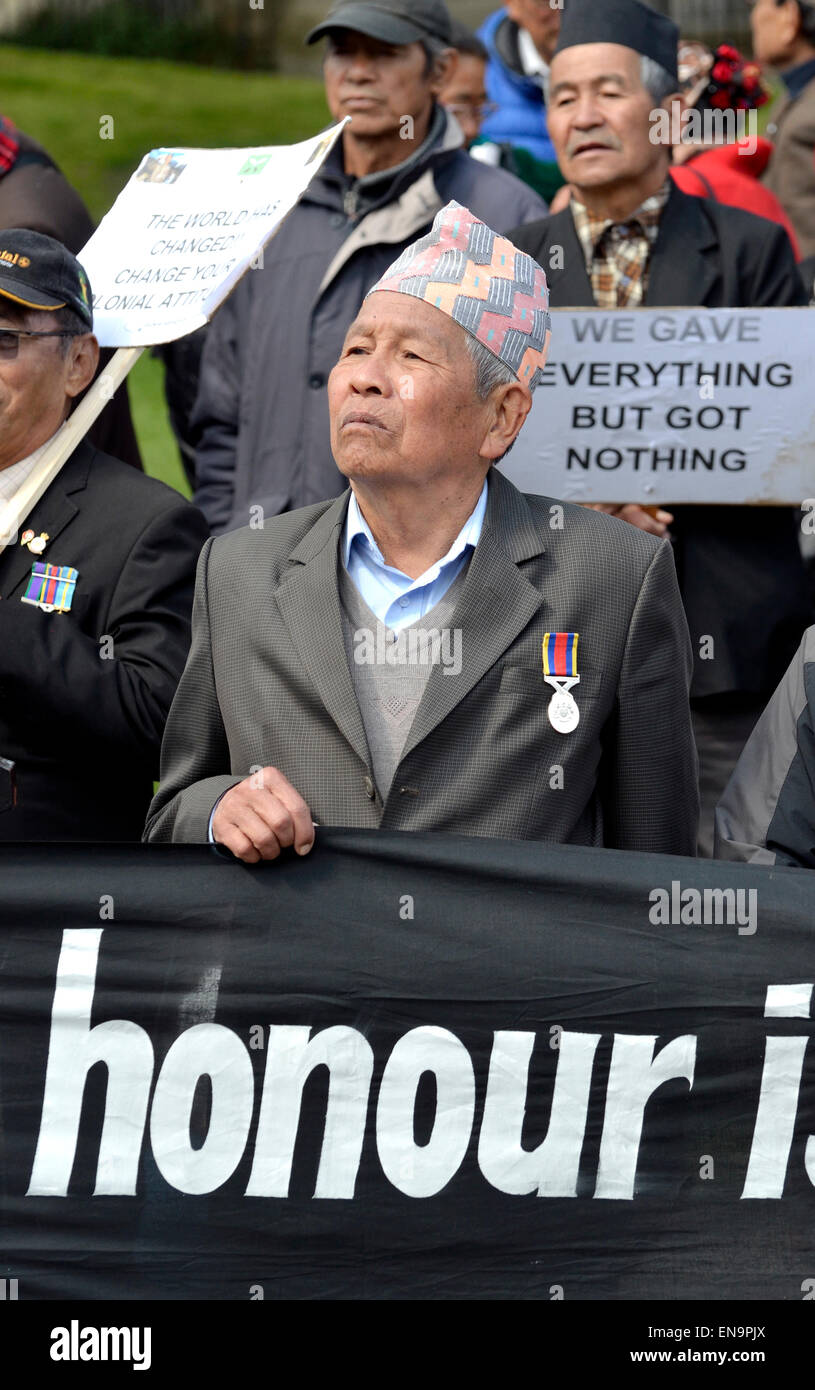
734	83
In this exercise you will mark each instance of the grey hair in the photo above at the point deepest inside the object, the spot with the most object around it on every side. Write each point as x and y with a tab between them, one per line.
490	371
70	322
656	79
433	49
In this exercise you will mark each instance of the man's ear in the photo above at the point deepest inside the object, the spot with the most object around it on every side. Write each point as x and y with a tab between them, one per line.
83	359
444	65
511	405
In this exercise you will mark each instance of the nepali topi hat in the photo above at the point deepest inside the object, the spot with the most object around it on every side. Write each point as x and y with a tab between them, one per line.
626	22
485	284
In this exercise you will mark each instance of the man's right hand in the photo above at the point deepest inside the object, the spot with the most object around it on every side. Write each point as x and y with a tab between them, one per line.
261	816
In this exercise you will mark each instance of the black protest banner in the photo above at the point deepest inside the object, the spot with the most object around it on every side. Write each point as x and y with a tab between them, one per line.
409	1066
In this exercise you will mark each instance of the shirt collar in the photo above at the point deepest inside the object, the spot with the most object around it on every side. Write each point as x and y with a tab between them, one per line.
357	529
590	228
531	61
797	78
13	477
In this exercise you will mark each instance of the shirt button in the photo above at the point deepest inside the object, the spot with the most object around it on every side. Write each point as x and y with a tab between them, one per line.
370	789
316	381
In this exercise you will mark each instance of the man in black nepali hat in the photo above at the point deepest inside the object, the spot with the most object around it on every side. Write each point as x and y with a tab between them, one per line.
631	238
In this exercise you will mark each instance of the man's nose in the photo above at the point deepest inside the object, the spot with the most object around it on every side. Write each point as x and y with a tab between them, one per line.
586	114
360	67
369	375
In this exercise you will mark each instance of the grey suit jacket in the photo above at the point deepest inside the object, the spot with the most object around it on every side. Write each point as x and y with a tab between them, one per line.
268	684
790	174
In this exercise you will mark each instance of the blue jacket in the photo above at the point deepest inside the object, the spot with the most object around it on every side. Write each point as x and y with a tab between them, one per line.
521	115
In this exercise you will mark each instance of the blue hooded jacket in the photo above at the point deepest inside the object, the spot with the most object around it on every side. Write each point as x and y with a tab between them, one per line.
521	115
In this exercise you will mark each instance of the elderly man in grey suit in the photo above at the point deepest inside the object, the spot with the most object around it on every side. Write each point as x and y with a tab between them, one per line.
434	650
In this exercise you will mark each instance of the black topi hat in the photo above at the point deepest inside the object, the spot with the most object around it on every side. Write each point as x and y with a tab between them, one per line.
626	22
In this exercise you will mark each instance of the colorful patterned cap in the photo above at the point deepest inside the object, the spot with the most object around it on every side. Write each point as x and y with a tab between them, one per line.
483	282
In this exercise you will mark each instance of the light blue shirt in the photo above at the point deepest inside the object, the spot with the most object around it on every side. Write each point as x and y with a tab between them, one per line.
395	598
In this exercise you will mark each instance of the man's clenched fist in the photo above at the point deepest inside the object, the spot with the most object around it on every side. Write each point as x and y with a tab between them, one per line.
261	816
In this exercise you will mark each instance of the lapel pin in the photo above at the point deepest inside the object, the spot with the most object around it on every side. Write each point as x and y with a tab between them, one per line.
560	671
35	543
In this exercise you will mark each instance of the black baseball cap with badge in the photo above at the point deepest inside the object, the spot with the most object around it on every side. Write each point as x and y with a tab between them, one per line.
391	21
38	272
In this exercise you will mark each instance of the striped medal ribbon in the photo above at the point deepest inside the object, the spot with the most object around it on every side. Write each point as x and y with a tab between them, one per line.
560	671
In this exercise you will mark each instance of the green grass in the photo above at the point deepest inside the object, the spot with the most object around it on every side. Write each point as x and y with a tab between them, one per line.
156	441
60	98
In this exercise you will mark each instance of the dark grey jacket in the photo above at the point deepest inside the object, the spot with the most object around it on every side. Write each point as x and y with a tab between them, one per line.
268	684
261	416
767	814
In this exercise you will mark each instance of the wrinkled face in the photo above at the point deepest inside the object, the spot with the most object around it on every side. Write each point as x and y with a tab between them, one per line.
774	30
402	396
542	21
33	391
599	116
465	93
376	84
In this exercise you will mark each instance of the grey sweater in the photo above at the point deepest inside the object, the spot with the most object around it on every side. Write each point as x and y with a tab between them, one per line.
390	670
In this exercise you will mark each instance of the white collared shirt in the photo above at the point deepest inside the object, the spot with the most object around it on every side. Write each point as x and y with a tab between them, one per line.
395	598
533	64
13	478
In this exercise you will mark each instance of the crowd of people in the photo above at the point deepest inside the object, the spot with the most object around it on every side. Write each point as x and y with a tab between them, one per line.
385	631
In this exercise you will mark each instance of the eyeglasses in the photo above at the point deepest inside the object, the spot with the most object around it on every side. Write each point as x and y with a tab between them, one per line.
10	339
472	108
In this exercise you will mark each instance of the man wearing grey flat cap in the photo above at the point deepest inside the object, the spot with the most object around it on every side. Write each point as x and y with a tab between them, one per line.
261	418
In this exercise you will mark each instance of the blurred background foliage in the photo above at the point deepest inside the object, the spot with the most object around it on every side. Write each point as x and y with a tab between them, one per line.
256	33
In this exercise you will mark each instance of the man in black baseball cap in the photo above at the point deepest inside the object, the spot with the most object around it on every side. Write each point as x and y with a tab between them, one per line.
37	272
96	578
390	21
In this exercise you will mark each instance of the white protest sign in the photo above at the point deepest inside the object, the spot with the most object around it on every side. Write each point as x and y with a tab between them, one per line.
180	235
184	229
673	405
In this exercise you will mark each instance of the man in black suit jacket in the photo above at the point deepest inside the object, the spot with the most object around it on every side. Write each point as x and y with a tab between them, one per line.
95	585
631	238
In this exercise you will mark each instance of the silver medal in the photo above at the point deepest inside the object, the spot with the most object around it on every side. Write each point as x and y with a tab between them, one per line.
564	716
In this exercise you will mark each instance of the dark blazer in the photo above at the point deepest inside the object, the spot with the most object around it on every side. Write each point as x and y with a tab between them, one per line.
268	684
80	715
740	570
